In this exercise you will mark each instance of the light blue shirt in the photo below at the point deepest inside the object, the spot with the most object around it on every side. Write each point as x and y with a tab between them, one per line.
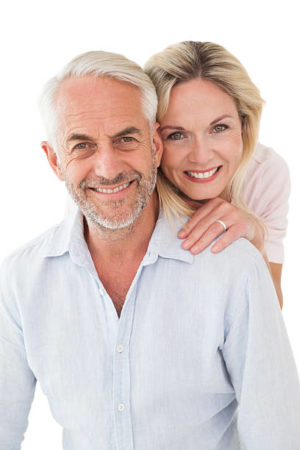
198	360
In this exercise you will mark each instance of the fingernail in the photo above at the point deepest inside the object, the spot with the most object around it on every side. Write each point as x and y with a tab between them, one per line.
186	244
182	234
215	248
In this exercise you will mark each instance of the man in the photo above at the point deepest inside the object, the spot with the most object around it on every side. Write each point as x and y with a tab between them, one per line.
136	343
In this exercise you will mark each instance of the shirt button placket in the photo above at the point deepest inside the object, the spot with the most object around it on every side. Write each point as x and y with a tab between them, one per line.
120	348
124	437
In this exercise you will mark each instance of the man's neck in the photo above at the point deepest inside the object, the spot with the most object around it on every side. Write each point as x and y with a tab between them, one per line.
126	242
117	257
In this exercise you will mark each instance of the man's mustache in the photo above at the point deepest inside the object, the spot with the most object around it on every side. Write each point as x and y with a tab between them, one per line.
122	177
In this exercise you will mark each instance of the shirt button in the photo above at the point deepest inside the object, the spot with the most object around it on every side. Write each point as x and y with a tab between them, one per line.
121	407
101	292
120	348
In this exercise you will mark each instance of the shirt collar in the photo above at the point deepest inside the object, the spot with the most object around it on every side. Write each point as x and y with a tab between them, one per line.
66	236
69	237
164	241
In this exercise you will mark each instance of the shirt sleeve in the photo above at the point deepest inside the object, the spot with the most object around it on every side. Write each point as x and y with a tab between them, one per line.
17	382
260	364
266	192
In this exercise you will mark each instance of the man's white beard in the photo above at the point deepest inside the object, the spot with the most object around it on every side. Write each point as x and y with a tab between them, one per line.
116	221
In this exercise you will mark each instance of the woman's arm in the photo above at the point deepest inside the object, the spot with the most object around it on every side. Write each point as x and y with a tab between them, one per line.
276	270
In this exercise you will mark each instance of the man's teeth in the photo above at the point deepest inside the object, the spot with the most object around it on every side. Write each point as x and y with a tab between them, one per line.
112	191
202	174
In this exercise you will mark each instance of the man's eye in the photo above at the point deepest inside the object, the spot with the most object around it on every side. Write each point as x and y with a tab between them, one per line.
126	143
127	139
81	146
84	149
219	128
177	136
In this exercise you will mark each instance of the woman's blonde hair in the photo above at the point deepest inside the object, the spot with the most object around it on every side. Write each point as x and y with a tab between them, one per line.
186	61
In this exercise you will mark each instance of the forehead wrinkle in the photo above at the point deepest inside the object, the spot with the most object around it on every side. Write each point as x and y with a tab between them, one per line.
82	112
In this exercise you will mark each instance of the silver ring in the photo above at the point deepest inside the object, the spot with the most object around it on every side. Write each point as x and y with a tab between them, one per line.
222	223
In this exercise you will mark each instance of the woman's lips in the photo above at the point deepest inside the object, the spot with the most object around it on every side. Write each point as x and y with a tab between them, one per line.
202	176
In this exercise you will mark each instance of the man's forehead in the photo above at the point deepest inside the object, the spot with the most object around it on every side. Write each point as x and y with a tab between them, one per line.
91	89
99	106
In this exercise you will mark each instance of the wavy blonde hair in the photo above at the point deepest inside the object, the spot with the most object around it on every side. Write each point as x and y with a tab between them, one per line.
186	61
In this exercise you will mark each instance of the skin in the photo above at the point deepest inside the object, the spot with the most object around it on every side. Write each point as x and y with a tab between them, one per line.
202	132
108	157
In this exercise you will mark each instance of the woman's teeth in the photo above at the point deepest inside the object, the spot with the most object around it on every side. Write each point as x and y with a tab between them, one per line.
112	191
202	174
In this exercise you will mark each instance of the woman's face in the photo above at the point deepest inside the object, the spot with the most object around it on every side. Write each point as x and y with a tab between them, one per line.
202	137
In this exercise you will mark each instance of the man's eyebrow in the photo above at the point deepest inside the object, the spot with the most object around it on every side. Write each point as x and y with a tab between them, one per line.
85	137
128	130
79	137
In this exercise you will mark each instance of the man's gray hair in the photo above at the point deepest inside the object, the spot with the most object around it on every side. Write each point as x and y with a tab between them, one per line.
97	64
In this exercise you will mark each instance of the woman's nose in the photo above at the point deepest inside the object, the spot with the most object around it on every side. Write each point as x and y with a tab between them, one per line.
201	151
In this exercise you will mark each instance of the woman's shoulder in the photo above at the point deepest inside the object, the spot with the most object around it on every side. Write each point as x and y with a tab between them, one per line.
266	178
265	159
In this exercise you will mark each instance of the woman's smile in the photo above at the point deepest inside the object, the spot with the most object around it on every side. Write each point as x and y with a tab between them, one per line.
202	138
202	176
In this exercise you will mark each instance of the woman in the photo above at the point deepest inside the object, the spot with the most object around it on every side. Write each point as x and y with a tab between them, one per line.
209	111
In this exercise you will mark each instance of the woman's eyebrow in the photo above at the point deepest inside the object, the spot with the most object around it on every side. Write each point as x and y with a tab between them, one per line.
171	127
224	116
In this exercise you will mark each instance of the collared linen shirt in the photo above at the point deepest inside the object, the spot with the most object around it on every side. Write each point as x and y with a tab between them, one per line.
199	358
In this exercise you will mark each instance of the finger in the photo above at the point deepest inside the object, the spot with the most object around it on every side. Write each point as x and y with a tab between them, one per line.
213	231
199	215
205	231
231	235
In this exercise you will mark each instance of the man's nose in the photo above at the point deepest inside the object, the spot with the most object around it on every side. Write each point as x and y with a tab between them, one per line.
107	161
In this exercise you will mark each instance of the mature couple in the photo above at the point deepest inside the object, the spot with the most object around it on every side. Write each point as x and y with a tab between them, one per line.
137	342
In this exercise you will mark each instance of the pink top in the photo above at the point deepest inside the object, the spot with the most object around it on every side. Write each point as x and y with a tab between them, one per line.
266	192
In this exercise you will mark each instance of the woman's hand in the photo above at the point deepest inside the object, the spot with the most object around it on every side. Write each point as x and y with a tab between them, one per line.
202	229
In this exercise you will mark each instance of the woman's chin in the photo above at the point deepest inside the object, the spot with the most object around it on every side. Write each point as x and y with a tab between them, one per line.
192	196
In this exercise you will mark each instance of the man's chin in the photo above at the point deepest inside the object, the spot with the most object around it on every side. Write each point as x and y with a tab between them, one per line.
112	223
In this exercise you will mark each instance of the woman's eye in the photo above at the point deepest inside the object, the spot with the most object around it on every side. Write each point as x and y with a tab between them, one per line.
219	128
177	136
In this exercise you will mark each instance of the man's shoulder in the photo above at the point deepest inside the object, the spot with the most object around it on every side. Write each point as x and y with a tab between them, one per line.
239	256
240	249
29	253
235	262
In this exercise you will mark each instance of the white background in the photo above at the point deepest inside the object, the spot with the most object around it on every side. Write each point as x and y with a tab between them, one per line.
38	37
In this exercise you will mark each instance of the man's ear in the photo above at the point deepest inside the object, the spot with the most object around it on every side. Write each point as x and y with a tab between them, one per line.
52	159
157	144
